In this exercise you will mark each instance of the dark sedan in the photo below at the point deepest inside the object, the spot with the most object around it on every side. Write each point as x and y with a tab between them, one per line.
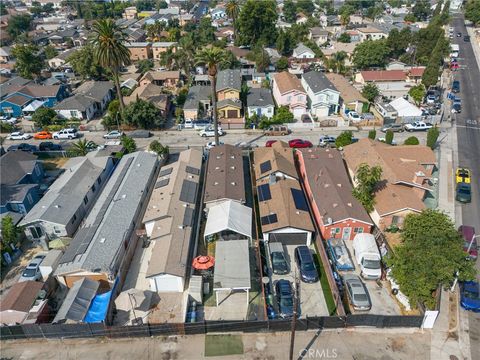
49	146
284	292
306	265
469	296
463	193
23	147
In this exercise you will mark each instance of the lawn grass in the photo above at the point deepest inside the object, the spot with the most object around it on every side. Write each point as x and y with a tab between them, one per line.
222	345
327	293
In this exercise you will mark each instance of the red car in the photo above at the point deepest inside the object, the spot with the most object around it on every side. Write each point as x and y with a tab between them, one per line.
270	142
299	143
468	235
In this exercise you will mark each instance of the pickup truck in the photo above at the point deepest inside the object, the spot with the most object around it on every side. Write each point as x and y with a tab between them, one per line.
418	126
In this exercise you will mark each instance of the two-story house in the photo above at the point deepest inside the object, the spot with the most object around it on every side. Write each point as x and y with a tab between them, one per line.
160	47
318	35
229	106
323	97
371	33
288	91
140	50
260	102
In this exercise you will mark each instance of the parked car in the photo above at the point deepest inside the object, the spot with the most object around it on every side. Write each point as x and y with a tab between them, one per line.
468	235
463	193
469	296
459	34
114	134
326	140
456	108
212	144
357	293
42	135
339	255
354	116
456	86
19	135
466	38
269	143
277	130
418	126
8	120
140	134
299	143
69	133
49	146
32	271
392	127
367	256
384	140
209	132
463	175
305	118
23	147
279	262
306	265
284	292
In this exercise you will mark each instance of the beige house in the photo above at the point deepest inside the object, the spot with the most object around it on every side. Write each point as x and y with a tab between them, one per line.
169	79
140	50
371	33
352	99
160	47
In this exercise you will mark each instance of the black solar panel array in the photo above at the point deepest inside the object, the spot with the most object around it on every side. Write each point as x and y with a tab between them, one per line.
265	166
192	170
269	219
188	192
162	183
164	172
299	199
264	192
188	217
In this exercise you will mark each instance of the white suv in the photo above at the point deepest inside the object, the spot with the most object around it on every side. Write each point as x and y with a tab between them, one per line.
65	134
209	131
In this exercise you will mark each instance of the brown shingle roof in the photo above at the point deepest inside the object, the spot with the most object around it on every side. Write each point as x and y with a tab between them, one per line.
348	93
280	157
330	185
384	75
21	296
225	176
19	100
288	82
162	75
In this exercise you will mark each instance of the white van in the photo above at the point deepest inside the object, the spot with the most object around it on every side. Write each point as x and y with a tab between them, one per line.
367	256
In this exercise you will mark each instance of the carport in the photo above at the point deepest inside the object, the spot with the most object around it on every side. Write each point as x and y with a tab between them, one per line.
230	220
232	267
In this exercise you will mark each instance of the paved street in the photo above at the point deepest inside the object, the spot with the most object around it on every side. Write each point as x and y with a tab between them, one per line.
468	136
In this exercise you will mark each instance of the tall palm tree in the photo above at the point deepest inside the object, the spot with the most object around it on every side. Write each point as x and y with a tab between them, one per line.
233	10
110	51
168	59
213	58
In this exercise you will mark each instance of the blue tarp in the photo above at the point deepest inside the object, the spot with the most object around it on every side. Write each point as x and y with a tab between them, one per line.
98	308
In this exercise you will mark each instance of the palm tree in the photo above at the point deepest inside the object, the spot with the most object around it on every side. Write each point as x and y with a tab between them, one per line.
82	147
168	59
213	58
233	10
110	51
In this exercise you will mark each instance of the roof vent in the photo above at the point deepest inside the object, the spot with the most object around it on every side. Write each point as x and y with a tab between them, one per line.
219	156
232	167
272	179
297	212
102	240
181	226
339	185
57	206
335	205
124	196
349	204
329	221
326	186
232	157
215	183
217	167
233	183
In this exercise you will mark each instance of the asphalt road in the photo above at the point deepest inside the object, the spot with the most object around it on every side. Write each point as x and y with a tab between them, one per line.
468	138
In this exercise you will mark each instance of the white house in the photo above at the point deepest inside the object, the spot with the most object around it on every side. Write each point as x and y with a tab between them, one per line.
260	102
303	52
323	97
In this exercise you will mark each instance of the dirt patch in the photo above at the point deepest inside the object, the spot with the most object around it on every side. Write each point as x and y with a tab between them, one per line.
397	344
54	163
393	239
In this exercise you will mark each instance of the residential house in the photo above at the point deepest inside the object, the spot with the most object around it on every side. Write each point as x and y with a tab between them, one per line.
184	19
356	19
160	47
5	55
225	33
351	98
396	65
135	34
229	84
89	100
140	50
68	200
288	91
20	175
303	52
284	214
62	37
318	35
169	220
386	111
153	94
323	97
59	60
371	33
407	172
260	102
406	111
230	113
218	13
336	47
228	220
169	79
130	13
102	248
354	36
25	303
301	18
225	176
327	185
198	102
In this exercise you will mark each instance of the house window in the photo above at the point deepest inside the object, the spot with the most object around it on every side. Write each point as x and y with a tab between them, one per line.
73	113
29	198
299	98
397	220
74	218
269	110
14	207
93	188
358	230
289	98
36	231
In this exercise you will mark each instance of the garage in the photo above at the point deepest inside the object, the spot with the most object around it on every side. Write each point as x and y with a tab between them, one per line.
298	112
289	238
231	114
166	283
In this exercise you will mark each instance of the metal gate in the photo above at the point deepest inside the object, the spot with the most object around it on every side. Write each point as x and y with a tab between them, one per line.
289	238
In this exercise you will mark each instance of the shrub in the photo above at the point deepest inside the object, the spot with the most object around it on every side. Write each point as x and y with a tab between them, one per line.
344	139
432	137
412	140
372	134
389	137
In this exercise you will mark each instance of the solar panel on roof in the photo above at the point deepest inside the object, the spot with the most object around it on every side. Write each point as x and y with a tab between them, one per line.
299	199
265	166
188	192
162	183
269	219
264	192
188	217
165	172
192	170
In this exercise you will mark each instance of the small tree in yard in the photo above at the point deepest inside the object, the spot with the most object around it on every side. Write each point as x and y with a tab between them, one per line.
412	140
44	117
9	234
370	91
128	144
417	93
431	253
389	137
160	149
367	178
283	115
432	137
344	139
372	134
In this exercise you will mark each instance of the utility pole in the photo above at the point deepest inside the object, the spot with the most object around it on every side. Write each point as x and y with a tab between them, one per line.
294	318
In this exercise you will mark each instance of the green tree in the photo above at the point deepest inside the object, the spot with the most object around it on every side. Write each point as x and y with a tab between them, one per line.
114	107
144	5
344	38
108	41
412	140
399	41
430	254
206	32
162	4
282	64
256	22
372	134
370	92
344	139
289	11
417	93
143	114
18	24
27	63
306	6
50	52
129	144
81	147
233	10
144	65
44	116
285	43
10	234
367	179
421	9
374	12
283	115
85	64
472	11
158	148
213	58
410	18
389	137
371	53
432	137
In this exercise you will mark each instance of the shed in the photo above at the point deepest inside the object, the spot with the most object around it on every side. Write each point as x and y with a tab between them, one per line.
50	262
230	220
232	267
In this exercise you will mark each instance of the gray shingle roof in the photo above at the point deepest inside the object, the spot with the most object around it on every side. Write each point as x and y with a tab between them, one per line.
95	89
111	221
76	102
260	98
14	193
14	165
318	81
196	94
229	79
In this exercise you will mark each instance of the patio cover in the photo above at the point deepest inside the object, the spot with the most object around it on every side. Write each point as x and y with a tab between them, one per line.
405	108
34	105
77	302
232	267
229	215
